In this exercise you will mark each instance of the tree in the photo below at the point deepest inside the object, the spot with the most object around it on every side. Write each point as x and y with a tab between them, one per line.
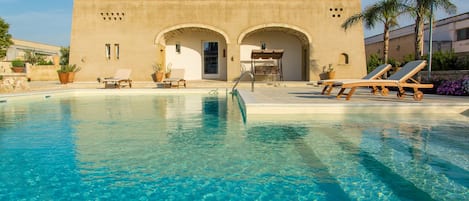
386	12
64	55
31	57
5	38
420	9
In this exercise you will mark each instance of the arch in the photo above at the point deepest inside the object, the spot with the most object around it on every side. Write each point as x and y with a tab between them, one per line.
271	25
181	26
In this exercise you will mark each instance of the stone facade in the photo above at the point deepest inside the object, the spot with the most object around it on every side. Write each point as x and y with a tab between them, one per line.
213	39
445	38
19	48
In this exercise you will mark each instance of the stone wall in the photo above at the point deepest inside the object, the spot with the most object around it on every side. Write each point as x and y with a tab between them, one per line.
445	75
13	82
5	67
43	73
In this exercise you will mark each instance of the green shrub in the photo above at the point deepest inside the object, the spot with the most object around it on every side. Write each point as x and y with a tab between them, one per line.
394	62
444	61
408	58
68	68
463	63
373	62
43	62
17	63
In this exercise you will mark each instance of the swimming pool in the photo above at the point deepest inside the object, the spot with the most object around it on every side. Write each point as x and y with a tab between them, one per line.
197	147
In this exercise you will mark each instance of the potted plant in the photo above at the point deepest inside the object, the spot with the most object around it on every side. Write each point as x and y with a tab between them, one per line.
67	73
330	72
168	71
158	74
18	66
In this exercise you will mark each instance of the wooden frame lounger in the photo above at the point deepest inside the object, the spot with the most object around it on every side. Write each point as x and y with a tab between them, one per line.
176	80
376	74
121	78
401	79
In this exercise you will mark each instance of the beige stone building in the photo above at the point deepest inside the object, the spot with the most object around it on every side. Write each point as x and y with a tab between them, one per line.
451	33
213	39
20	47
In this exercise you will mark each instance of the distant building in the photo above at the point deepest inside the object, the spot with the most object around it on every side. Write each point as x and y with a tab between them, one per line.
213	39
20	47
448	34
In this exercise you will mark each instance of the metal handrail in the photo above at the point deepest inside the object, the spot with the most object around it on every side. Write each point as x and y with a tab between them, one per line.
241	77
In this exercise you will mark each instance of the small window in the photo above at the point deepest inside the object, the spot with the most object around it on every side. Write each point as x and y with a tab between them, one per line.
463	34
178	48
108	51
343	58
117	51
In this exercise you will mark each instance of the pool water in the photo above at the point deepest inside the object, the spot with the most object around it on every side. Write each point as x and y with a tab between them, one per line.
197	147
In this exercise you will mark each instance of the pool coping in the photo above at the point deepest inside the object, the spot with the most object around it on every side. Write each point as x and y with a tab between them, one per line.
256	106
64	92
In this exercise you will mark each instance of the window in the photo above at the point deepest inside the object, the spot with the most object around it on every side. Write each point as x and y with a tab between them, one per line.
116	48
462	34
108	51
343	58
178	48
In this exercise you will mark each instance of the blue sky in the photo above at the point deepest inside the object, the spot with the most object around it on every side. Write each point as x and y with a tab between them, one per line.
44	21
49	21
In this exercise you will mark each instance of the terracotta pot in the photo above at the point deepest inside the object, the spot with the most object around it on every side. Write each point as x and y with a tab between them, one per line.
18	69
71	77
331	74
167	75
63	78
159	76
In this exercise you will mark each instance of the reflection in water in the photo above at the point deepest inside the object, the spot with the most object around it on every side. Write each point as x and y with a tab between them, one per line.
197	147
276	133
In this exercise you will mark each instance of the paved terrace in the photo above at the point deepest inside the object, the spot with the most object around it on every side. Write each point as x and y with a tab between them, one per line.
295	98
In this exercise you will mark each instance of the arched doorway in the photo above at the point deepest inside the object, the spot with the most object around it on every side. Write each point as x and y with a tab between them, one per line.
199	49
294	42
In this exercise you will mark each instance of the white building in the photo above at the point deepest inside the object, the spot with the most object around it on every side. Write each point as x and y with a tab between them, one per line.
20	47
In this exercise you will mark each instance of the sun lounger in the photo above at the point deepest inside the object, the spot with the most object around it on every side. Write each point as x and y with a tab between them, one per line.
377	73
177	78
401	79
121	78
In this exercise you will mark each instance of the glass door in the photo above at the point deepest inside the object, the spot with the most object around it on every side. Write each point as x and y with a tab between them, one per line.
210	59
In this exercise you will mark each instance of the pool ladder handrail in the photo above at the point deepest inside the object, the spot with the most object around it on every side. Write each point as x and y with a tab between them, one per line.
241	77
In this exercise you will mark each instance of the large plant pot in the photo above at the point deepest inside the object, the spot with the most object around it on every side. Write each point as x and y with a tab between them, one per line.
71	77
159	76
331	75
18	69
63	78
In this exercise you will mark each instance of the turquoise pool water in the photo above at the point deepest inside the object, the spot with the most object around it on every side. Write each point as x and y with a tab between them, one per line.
197	147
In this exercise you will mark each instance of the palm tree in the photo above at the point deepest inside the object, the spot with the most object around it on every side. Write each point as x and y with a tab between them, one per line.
5	38
420	9
386	12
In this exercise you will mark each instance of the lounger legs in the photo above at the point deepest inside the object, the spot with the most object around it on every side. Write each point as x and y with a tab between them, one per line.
349	94
401	93
341	92
324	89
384	91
